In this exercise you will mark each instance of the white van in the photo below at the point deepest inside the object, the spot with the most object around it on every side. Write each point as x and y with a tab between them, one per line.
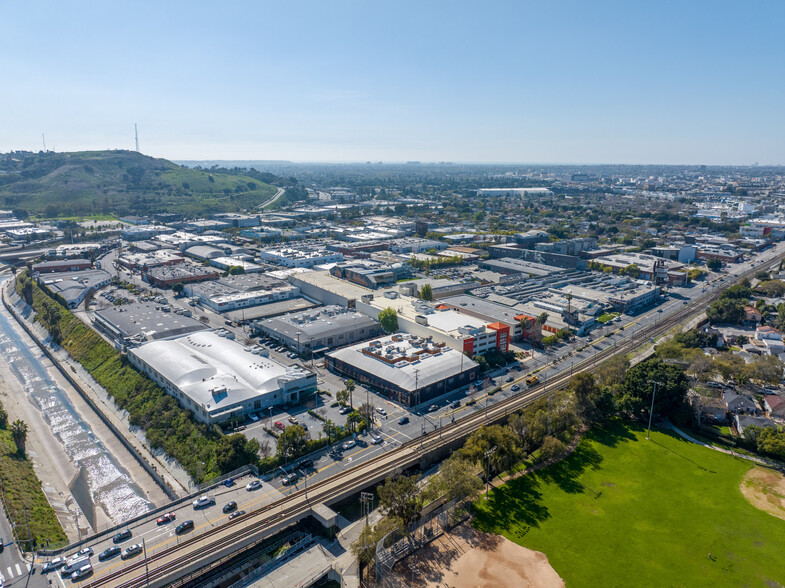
82	572
73	565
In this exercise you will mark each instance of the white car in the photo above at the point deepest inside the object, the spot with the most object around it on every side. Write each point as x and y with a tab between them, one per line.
348	445
255	485
381	411
204	501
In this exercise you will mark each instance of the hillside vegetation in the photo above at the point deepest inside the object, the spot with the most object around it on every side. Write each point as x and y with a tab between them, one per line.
200	449
123	182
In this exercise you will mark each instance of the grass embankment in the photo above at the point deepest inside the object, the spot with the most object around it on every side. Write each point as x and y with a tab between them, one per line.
166	424
21	489
624	511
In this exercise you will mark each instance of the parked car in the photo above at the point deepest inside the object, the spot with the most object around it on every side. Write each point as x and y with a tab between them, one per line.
348	445
235	514
403	420
376	439
433	408
305	463
204	502
109	553
167	518
289	479
122	536
515	387
345	410
184	527
509	379
229	483
254	485
381	411
279	425
455	404
132	550
230	506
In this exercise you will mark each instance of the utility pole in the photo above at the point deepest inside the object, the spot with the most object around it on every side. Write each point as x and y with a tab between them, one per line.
417	385
29	536
549	414
651	410
488	455
146	569
366	498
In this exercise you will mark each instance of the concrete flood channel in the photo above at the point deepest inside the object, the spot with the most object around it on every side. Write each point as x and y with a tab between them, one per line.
99	481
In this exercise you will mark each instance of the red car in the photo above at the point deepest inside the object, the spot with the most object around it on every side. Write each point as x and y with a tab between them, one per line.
167	518
279	425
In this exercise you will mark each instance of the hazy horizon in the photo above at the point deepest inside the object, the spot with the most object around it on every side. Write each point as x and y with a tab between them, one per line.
610	83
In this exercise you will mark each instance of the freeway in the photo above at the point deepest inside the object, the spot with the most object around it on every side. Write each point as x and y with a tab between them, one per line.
169	563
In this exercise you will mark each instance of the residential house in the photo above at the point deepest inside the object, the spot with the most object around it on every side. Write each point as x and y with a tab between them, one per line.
739	403
774	406
744	421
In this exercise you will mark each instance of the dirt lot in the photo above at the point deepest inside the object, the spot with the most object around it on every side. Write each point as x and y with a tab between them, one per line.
467	558
765	489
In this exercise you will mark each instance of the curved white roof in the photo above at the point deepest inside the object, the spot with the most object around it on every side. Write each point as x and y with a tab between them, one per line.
201	363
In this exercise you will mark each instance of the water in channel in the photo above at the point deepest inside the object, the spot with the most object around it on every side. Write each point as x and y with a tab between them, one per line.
110	487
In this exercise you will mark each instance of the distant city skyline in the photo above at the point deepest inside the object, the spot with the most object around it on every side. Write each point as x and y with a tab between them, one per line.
348	81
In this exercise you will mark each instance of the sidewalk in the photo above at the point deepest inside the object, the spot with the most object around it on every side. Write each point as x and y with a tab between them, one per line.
759	460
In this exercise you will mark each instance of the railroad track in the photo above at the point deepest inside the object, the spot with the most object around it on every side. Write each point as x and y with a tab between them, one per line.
399	458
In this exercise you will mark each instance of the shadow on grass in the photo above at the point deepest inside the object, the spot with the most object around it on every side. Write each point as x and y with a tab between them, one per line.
677	437
519	502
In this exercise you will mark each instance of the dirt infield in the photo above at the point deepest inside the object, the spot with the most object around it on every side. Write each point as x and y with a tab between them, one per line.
467	558
765	489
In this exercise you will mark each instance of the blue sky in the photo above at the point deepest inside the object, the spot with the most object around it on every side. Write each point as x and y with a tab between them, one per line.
331	80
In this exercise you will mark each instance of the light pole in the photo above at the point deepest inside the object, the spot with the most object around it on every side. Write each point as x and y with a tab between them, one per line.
298	343
488	455
271	418
651	411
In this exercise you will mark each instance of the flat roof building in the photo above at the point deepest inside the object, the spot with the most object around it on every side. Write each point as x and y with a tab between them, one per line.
217	379
320	329
62	265
415	245
408	369
301	256
241	291
140	322
184	273
73	287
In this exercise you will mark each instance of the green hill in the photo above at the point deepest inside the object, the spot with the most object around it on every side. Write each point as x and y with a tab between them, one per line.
122	182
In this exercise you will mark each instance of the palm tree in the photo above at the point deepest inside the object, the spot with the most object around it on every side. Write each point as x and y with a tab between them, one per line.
19	432
350	386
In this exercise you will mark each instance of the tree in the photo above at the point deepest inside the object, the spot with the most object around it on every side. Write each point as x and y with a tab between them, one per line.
399	499
766	369
457	479
350	386
330	430
479	216
178	288
3	418
342	396
19	431
772	287
506	454
352	419
725	310
235	451
426	292
588	397
236	270
364	549
292	441
714	265
671	398
388	319
366	411
633	271
551	448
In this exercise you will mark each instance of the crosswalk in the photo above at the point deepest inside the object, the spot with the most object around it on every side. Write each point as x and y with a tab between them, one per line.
16	570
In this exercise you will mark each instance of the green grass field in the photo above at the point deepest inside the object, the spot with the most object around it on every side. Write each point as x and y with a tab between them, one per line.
22	490
623	511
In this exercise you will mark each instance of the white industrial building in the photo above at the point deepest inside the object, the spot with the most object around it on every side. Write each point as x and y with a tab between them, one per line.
300	256
217	379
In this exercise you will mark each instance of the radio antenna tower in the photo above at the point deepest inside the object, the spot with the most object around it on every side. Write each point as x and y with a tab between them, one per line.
136	137
43	140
